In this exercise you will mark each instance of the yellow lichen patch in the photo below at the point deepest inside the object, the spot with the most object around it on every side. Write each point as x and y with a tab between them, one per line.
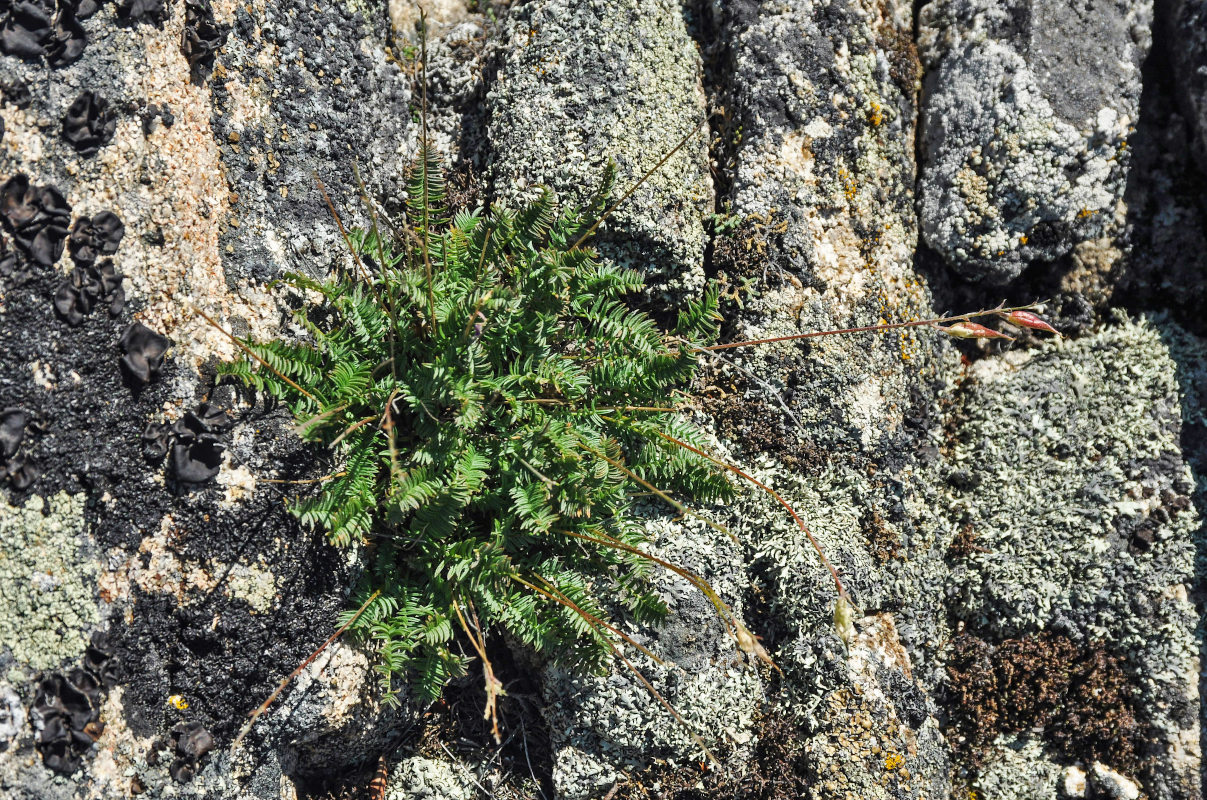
849	189
875	113
893	760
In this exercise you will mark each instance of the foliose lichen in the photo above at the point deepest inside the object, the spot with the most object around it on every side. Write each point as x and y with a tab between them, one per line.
47	582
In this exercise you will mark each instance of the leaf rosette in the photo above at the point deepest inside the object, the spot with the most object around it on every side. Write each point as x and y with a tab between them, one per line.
495	405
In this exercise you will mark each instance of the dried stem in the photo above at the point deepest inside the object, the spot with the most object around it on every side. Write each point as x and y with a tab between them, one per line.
250	352
649	687
888	326
682	509
427	258
608	211
494	687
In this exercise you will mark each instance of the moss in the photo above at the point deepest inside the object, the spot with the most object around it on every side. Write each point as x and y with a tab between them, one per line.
47	583
1077	694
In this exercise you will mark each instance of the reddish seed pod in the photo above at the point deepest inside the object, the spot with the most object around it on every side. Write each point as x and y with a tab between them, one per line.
971	330
1025	319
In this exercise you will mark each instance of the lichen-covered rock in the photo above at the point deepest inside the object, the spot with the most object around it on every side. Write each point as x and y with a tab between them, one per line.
210	597
335	708
1015	529
1069	471
823	98
601	724
584	81
1026	114
420	778
1018	768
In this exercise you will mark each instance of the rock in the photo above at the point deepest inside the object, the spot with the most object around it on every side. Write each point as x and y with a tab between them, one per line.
1073	783
205	598
581	82
1111	784
1186	32
584	81
823	99
333	714
600	724
1026	114
985	504
1107	556
1018	768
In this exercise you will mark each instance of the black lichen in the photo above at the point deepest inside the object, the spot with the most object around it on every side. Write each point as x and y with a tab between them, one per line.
198	445
147	12
20	470
12	431
37	218
144	350
25	28
88	124
87	287
156	113
67	38
17	92
92	237
86	8
201	37
31	29
66	710
195	442
156	439
192	741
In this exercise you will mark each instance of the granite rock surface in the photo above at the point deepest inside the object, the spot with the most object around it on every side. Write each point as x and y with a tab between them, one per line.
1026	114
1019	526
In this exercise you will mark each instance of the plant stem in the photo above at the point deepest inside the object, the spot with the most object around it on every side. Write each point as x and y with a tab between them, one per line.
608	211
281	686
427	258
888	326
251	353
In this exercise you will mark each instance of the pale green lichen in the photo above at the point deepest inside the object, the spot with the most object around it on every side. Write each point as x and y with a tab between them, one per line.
1073	480
251	584
47	582
429	777
1018	768
1061	456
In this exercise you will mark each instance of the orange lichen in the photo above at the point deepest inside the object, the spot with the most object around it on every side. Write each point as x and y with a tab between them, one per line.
875	115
